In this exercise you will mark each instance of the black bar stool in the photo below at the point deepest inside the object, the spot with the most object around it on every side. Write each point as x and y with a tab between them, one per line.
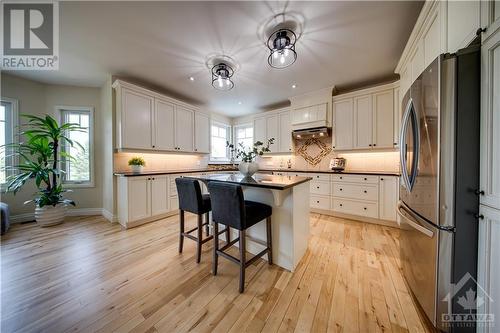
231	209
192	200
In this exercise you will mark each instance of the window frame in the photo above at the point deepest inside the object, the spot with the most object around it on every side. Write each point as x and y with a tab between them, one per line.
15	134
218	160
82	109
235	136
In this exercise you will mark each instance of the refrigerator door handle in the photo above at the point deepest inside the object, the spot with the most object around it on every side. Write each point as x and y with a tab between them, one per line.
412	220
402	144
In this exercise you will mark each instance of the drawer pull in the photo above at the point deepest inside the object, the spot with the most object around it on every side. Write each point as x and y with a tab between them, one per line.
340	205
317	187
366	178
364	191
341	189
341	177
382	179
317	201
364	208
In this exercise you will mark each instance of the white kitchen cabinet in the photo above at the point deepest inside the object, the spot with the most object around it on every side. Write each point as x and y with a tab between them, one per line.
363	112
138	198
159	195
273	129
164	125
260	129
432	40
488	268
397	116
135	112
383	119
184	125
142	199
285	132
464	18
417	61
201	133
388	197
490	121
310	114
343	124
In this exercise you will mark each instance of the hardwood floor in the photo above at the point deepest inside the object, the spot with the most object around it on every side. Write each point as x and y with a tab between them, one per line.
89	275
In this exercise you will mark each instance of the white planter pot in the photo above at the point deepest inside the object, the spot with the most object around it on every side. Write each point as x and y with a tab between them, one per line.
50	215
248	168
136	168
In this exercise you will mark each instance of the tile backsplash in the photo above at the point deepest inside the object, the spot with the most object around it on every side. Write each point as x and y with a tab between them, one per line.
161	162
386	161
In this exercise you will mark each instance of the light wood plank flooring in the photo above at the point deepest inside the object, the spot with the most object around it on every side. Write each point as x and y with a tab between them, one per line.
89	275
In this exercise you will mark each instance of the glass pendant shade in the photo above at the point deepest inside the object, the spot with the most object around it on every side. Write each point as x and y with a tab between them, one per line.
282	46
221	77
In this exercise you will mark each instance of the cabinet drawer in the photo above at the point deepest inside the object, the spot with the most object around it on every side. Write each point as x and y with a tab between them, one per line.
355	191
364	179
322	188
320	202
360	208
319	176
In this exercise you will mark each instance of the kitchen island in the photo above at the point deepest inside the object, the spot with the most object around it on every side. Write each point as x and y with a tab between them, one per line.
289	198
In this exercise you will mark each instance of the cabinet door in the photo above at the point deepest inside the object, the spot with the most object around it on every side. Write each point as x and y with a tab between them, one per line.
184	129
138	198
285	138
490	121
363	121
260	129
159	195
201	133
136	119
388	198
463	22
432	40
488	268
417	61
273	126
164	126
343	115
397	116
383	119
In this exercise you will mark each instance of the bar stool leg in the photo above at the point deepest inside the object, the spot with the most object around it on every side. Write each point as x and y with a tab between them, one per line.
200	236
228	235
242	260
216	247
269	242
181	232
207	219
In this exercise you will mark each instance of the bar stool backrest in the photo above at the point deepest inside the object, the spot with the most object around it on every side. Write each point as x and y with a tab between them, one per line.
228	204
189	193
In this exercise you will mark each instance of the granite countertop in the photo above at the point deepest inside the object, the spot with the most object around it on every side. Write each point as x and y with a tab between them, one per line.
268	181
152	173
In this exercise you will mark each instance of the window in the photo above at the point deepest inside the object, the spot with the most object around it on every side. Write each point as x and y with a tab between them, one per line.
78	171
244	134
8	124
220	135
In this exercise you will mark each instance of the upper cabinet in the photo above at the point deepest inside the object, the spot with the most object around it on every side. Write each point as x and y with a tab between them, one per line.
366	119
311	110
147	120
274	124
442	26
201	133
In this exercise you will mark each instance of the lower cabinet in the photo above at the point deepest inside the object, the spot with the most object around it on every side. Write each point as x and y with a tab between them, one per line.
367	197
142	199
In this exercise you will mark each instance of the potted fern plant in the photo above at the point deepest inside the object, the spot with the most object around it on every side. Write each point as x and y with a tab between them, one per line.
248	166
39	158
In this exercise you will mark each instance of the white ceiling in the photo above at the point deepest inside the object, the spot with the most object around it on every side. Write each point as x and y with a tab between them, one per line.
164	43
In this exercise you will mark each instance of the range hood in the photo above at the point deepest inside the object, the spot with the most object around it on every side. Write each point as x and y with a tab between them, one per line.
317	132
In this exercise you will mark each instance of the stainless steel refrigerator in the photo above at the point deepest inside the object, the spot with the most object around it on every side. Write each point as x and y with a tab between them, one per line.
438	200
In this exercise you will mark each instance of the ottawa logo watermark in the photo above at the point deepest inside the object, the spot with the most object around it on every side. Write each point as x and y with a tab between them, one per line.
468	305
30	38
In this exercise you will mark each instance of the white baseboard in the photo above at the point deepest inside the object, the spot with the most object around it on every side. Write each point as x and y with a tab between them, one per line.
27	217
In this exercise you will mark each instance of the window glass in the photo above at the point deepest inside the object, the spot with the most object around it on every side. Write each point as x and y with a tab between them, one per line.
7	126
220	136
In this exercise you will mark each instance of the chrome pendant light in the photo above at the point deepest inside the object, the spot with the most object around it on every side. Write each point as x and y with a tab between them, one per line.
221	77
281	43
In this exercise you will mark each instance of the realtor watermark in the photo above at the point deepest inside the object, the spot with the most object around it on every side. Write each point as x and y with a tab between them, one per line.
30	38
468	305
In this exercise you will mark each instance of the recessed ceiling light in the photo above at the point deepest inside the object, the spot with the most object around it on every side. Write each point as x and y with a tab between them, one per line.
191	78
239	103
294	86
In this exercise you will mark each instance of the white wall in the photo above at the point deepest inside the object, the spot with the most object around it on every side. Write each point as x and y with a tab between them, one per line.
40	99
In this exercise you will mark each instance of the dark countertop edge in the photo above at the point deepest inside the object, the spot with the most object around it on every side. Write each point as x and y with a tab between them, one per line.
369	173
266	186
151	173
